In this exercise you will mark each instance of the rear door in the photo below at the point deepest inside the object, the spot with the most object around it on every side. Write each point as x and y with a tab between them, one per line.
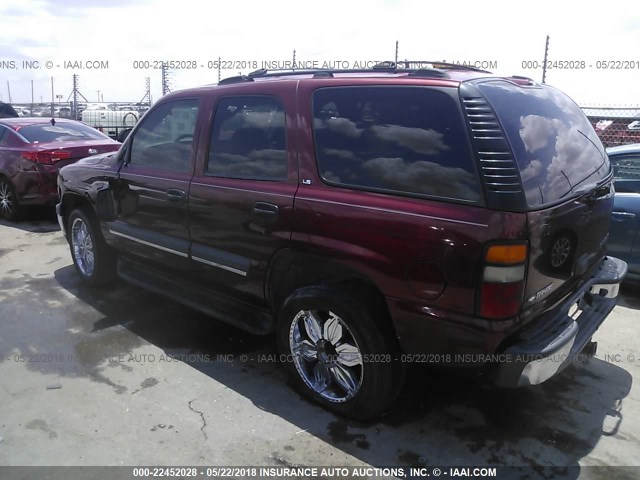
567	179
241	198
153	186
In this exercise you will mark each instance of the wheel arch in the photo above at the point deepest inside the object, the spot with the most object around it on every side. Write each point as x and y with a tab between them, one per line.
290	270
69	202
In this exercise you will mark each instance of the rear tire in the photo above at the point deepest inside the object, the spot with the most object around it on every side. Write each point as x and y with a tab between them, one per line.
10	208
336	351
92	257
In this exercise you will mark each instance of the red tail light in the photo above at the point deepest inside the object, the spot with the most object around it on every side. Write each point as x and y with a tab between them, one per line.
503	279
46	158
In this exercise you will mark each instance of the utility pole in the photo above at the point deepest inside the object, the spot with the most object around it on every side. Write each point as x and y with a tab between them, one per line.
32	95
396	60
52	98
9	91
219	68
147	91
165	79
544	65
74	93
294	59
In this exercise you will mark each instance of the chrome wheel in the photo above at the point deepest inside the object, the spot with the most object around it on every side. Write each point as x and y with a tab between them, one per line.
7	200
326	354
560	252
82	245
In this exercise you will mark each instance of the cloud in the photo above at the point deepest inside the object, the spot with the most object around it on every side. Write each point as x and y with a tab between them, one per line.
122	31
535	132
531	171
425	141
260	164
573	157
423	177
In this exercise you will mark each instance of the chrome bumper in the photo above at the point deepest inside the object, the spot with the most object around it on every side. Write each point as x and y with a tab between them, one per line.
555	340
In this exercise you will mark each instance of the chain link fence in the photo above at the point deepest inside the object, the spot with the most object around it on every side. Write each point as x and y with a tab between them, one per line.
615	125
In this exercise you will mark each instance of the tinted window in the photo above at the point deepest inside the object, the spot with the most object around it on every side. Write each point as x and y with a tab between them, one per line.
165	137
556	148
3	134
60	132
399	139
248	139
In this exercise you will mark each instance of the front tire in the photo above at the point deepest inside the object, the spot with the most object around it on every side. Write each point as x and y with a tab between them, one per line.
91	256
336	351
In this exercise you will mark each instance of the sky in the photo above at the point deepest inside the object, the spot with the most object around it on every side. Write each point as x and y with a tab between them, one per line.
119	37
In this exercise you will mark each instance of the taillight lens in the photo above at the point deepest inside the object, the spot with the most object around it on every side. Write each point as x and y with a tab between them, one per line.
503	279
46	158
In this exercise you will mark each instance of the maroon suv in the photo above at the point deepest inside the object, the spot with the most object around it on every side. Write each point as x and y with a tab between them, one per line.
369	218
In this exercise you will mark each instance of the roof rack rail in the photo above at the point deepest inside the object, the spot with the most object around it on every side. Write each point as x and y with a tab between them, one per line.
238	79
428	72
420	64
425	68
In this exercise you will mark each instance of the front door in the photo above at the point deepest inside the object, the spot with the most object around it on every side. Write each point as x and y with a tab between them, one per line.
153	186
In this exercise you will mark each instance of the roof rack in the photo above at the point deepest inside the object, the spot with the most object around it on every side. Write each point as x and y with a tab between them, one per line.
425	68
419	64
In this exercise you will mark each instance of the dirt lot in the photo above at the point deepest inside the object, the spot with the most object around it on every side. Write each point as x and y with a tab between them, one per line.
120	376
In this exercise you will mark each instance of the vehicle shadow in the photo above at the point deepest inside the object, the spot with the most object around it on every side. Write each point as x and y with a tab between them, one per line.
630	295
35	220
439	419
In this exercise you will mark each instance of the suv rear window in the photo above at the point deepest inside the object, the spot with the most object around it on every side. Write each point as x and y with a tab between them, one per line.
556	148
407	140
60	132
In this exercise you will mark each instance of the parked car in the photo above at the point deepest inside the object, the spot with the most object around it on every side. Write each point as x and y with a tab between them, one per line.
32	150
22	111
369	219
7	111
624	239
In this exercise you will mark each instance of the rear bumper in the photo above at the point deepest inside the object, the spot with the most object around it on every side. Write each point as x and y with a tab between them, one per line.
555	340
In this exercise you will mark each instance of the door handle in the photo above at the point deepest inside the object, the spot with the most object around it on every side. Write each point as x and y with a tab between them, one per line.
265	211
176	196
622	215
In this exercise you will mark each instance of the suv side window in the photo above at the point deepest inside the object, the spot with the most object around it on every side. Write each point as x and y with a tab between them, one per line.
407	140
248	139
164	139
626	173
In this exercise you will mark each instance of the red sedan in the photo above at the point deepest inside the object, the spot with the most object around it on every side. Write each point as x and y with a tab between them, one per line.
32	150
